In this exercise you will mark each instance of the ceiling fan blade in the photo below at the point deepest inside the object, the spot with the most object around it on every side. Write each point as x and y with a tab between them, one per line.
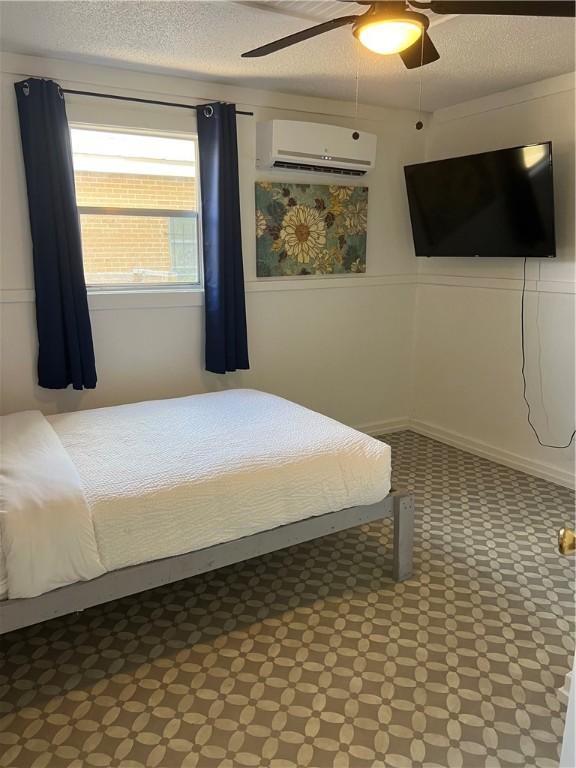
421	53
506	7
298	37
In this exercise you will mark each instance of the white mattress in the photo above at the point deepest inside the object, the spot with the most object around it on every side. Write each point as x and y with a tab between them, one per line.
172	476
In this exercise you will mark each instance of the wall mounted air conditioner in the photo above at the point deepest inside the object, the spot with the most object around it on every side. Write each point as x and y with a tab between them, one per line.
289	144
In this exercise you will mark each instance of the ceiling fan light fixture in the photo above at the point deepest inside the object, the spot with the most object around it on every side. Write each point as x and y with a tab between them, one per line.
390	34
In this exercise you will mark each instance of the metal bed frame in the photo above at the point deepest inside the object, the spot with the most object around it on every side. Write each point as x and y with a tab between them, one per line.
18	613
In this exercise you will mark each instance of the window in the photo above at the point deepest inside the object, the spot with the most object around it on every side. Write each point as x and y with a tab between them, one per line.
137	196
183	243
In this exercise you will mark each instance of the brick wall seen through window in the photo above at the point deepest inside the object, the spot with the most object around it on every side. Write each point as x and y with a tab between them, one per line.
137	198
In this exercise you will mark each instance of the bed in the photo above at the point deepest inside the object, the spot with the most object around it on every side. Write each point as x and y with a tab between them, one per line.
103	503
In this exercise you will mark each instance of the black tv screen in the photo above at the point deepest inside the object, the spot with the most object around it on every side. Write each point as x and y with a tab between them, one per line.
493	204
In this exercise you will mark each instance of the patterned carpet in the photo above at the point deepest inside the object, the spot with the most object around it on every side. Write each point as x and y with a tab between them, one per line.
314	657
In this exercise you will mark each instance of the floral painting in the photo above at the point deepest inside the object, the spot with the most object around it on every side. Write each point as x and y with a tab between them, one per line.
306	229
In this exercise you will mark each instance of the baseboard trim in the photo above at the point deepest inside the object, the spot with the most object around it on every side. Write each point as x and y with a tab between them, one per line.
476	447
486	451
377	428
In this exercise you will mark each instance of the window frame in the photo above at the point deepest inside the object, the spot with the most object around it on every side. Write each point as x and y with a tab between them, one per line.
148	287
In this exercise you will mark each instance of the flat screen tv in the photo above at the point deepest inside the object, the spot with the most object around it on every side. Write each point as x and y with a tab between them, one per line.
494	204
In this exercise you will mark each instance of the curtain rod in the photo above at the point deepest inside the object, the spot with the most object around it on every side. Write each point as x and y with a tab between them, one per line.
143	101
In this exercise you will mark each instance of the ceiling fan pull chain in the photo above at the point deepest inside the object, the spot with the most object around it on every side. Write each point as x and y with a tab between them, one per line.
419	123
357	81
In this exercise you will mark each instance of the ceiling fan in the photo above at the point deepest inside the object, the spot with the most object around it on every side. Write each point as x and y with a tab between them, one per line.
389	26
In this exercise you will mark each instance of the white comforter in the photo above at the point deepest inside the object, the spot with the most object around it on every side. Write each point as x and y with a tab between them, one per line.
117	486
47	532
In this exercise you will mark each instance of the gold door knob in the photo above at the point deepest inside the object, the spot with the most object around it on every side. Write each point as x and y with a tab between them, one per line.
566	541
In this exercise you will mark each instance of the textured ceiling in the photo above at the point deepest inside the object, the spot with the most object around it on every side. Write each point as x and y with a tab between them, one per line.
319	10
204	40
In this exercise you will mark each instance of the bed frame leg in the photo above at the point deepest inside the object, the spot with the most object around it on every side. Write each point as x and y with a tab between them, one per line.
403	537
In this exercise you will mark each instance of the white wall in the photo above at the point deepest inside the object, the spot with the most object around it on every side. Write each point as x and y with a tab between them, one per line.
339	345
467	382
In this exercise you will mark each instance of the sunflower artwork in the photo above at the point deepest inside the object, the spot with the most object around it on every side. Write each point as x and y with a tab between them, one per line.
305	229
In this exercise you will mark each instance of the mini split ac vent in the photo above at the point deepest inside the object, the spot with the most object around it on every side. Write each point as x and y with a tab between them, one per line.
314	147
317	168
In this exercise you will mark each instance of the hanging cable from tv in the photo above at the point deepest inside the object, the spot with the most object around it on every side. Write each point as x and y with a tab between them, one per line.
525	386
